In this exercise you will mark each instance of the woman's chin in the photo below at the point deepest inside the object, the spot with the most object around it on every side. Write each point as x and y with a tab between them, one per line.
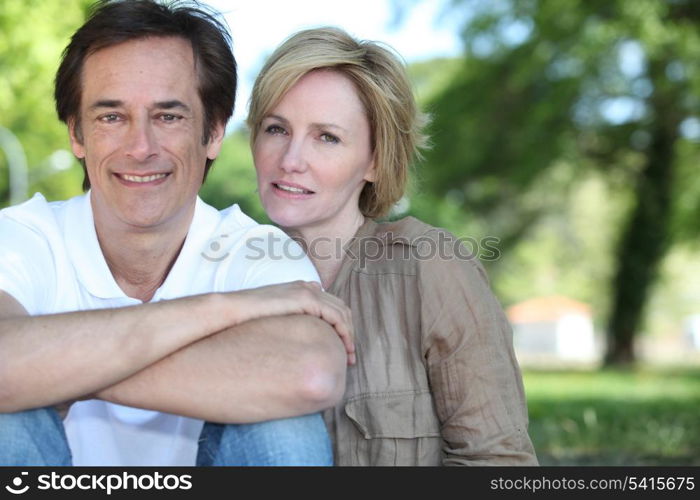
286	220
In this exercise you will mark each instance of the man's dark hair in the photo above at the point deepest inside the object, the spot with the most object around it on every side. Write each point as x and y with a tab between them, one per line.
117	21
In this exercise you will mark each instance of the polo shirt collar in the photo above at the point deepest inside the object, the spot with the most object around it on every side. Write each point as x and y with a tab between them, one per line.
91	267
183	276
84	250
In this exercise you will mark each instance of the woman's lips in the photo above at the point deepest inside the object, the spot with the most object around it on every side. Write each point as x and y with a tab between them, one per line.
292	189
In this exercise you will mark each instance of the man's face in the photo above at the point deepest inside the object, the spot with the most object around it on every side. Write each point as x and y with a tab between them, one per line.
141	129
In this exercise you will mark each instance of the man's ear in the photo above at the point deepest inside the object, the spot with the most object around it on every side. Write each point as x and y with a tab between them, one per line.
216	139
76	138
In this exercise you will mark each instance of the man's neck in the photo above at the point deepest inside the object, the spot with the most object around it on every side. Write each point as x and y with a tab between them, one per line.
141	260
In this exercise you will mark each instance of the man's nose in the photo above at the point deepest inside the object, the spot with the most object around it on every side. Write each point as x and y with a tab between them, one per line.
293	158
141	143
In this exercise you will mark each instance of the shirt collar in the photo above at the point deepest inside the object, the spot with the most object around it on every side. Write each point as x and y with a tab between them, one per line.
85	252
91	267
182	276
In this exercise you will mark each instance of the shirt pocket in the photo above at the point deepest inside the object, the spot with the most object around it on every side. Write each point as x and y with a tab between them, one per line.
408	414
397	428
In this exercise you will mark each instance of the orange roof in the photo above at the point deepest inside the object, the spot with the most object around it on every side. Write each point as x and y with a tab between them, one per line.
549	308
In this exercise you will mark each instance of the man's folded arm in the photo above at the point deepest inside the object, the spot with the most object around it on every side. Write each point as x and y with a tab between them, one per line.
263	369
214	364
53	358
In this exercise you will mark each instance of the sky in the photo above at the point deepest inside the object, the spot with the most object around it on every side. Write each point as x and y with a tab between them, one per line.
258	27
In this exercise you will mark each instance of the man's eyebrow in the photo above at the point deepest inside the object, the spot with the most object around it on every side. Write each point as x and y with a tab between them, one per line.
106	103
115	103
172	105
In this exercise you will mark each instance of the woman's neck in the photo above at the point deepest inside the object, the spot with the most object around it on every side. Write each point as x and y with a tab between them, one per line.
325	246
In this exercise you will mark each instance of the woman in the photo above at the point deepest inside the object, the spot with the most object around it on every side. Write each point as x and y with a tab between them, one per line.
334	127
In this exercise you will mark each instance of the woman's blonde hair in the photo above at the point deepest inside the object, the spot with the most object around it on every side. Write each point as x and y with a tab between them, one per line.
396	123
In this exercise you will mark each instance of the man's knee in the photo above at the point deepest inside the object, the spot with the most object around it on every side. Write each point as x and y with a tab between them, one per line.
295	441
33	437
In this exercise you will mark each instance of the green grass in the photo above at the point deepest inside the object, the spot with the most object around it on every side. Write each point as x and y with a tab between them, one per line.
643	417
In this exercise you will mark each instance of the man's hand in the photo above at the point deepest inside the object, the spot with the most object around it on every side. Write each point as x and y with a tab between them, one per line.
297	297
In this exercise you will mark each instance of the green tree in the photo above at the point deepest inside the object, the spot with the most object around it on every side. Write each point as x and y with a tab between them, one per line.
577	86
33	34
232	178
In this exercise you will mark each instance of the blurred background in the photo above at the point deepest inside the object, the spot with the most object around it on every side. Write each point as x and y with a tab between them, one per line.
565	142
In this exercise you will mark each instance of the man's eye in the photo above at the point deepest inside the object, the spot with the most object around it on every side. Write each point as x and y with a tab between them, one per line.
330	138
167	117
274	130
109	117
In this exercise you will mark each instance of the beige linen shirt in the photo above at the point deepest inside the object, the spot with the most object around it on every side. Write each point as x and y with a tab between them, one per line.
436	380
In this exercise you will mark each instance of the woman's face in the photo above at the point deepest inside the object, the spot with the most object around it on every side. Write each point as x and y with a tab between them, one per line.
313	155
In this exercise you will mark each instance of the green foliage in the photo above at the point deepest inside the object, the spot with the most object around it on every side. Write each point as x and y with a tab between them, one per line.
32	36
549	97
232	178
431	77
687	195
648	417
518	108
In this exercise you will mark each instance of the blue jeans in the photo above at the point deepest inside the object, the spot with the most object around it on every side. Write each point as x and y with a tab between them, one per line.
37	438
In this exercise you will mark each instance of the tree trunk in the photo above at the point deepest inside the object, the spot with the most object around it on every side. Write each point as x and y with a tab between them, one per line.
641	250
647	236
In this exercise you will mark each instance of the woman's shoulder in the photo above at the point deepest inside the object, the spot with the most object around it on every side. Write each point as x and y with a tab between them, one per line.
428	240
405	246
408	231
434	250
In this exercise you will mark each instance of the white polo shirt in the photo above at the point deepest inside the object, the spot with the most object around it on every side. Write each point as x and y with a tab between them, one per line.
51	262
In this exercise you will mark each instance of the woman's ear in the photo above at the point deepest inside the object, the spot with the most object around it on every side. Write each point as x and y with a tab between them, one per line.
371	172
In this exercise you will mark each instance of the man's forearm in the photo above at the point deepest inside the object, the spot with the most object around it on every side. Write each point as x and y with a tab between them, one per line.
49	359
264	369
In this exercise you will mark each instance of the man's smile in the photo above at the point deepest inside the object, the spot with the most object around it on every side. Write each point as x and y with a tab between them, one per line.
143	178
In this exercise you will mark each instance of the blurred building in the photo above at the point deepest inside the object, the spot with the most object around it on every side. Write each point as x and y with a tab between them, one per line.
553	328
691	331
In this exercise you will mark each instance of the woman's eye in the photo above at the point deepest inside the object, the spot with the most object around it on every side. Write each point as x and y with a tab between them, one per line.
274	130
329	138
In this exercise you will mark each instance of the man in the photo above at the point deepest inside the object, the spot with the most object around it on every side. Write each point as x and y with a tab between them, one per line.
111	299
